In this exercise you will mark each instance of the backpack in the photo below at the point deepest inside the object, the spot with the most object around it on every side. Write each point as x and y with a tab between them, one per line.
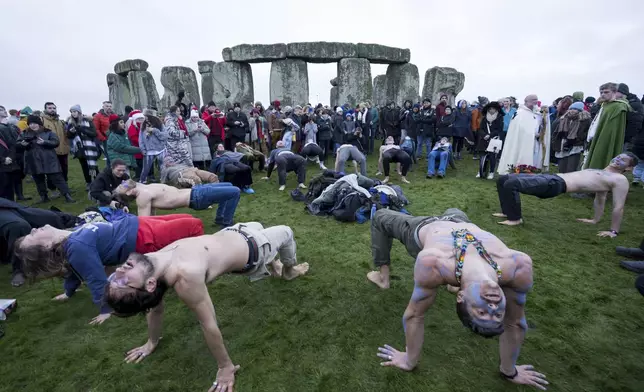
317	185
348	205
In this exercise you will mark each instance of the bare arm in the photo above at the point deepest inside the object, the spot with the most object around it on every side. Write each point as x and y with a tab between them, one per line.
598	206
380	168
620	191
144	206
155	324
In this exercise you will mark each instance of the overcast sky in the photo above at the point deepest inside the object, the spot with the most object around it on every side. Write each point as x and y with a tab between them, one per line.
61	50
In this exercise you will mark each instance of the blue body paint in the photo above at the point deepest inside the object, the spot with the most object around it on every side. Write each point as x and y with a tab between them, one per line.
523	323
419	294
521	298
404	323
475	291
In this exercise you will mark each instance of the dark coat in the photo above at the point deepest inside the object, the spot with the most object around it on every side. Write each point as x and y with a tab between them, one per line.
494	129
39	158
428	123
239	131
9	135
462	123
390	122
413	125
37	217
338	128
634	118
325	128
445	126
105	182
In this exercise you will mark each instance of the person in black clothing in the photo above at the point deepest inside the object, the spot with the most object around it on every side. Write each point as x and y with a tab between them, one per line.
17	221
634	118
391	122
11	174
491	127
106	182
38	144
445	126
325	134
413	124
338	128
404	116
238	124
426	129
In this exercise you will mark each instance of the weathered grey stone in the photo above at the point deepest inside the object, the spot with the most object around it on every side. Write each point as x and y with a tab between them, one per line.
380	90
124	67
333	101
254	53
334	81
321	52
443	80
143	90
289	82
381	54
232	82
402	83
205	66
354	81
175	80
119	92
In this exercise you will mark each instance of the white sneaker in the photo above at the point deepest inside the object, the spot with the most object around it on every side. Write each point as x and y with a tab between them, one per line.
282	187
302	186
478	175
490	176
322	167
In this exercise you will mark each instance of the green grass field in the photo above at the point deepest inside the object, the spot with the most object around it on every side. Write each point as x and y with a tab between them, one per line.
321	332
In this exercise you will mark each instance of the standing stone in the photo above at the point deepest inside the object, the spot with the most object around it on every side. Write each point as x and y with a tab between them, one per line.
443	80
207	82
176	79
354	81
254	53
334	97
124	67
380	90
334	81
402	83
232	82
143	90
119	92
289	82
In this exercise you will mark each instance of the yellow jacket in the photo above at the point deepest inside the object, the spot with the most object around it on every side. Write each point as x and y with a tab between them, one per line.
57	126
22	124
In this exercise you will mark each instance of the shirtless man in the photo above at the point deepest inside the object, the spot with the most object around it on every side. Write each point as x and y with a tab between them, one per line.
188	265
390	152
545	186
493	282
199	197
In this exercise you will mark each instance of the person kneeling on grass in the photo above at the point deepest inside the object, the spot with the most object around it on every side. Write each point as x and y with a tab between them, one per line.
199	197
83	254
286	161
189	265
545	186
389	152
493	281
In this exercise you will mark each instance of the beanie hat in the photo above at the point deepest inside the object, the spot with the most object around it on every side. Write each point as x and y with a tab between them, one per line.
76	108
194	113
114	117
26	111
590	100
297	107
578	96
237	105
277	103
623	88
416	106
339	109
133	112
577	106
34	120
288	109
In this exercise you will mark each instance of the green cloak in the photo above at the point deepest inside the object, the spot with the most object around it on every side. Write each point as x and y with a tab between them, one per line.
609	137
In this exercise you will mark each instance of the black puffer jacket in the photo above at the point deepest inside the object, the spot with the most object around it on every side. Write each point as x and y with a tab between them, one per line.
104	184
39	158
634	118
390	122
495	128
9	135
428	123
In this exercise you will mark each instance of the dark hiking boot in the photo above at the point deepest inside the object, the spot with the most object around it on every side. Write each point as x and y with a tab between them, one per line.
633	266
68	198
633	253
18	279
44	199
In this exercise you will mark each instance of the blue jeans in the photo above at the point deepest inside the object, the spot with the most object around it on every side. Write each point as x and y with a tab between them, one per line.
431	162
423	141
148	161
288	139
638	173
222	193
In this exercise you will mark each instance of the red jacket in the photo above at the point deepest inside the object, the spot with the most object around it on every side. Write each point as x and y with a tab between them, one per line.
102	125
133	135
216	125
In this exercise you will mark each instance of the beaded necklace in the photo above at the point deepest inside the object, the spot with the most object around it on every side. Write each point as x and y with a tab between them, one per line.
462	239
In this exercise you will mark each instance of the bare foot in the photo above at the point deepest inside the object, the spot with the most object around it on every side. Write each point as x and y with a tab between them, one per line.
376	278
499	215
276	268
452	289
294	272
511	223
403	179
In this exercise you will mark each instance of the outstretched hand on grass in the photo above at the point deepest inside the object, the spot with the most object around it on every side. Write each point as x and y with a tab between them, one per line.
394	357
225	379
589	221
138	354
100	319
527	376
60	297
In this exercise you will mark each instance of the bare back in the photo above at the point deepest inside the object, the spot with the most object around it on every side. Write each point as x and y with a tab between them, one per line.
593	180
436	240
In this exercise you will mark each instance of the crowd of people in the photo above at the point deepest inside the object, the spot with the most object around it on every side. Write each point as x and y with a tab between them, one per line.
197	157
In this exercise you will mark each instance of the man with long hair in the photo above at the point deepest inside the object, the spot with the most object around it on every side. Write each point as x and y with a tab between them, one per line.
83	254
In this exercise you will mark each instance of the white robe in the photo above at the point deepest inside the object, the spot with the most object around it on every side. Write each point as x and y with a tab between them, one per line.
521	143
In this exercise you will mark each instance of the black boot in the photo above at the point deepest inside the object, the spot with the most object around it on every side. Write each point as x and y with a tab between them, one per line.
44	199
19	195
68	198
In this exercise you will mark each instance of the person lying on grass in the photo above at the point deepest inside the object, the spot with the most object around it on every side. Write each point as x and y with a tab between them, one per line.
492	279
164	197
188	265
83	254
546	186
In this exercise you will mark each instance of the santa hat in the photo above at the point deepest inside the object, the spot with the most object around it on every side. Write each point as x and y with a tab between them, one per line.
114	117
137	116
194	113
135	112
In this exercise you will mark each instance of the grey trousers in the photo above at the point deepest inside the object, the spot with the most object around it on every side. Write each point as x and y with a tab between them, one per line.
387	225
347	153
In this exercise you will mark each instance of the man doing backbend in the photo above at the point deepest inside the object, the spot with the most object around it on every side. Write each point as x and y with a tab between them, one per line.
199	197
545	186
188	266
83	254
493	283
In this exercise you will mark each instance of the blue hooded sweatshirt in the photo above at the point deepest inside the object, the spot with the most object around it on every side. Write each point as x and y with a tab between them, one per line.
93	246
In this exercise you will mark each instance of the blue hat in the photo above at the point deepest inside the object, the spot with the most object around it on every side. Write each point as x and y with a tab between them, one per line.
577	106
